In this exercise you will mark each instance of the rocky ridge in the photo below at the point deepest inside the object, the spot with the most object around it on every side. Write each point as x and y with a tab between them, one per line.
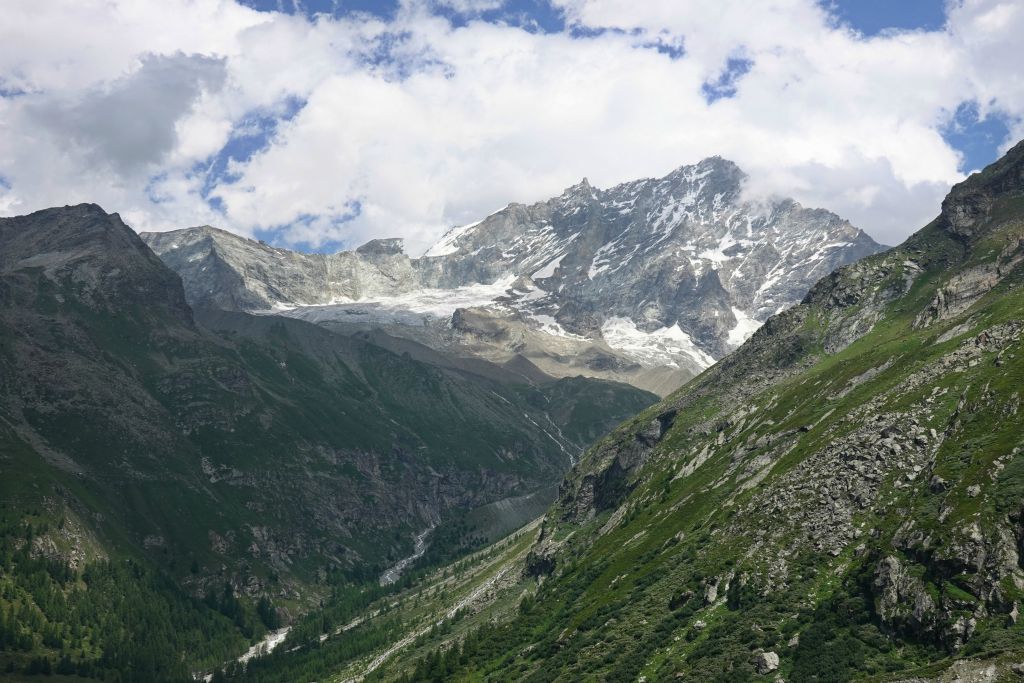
907	362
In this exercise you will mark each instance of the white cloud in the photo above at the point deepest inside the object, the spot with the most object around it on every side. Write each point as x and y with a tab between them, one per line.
470	6
425	125
987	36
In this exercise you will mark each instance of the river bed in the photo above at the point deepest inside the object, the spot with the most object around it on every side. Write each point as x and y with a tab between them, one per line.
394	573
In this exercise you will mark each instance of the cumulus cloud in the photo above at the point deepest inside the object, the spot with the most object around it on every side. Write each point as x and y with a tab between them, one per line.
408	125
132	122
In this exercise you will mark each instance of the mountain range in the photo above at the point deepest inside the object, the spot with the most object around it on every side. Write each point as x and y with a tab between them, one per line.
394	469
649	282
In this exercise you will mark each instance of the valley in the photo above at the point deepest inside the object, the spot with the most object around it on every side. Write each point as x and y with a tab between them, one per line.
347	491
247	465
850	510
511	341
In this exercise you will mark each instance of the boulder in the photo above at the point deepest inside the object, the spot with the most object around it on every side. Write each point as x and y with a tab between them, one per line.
766	662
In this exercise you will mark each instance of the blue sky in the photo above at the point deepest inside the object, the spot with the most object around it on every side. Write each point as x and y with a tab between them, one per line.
978	137
872	17
324	123
867	16
538	15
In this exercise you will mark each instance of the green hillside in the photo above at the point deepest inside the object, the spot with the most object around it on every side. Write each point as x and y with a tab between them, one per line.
840	499
204	477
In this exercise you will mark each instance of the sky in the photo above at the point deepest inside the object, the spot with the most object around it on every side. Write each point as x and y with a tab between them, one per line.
321	124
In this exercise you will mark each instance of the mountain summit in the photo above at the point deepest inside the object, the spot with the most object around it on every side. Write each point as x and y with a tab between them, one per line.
648	282
971	202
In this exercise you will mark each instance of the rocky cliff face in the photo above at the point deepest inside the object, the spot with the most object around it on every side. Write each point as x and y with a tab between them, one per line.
84	248
227	272
652	278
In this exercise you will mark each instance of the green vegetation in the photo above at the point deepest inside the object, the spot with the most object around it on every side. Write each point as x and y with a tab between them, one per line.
176	483
110	620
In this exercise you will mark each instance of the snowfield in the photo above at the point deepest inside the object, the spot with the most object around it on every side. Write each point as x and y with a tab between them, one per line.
663	346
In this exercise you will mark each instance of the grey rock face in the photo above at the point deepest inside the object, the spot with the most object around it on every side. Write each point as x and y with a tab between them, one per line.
94	252
669	273
969	203
225	271
766	662
685	249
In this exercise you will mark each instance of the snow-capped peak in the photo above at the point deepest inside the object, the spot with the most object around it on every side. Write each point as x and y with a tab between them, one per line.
673	270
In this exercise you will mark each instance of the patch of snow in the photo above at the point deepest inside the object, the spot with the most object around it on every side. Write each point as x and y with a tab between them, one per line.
412	308
549	269
664	346
550	326
623	261
534	295
602	257
443	302
745	326
446	245
717	254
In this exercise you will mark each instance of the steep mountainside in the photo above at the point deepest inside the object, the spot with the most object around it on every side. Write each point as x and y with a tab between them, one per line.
648	279
841	498
260	451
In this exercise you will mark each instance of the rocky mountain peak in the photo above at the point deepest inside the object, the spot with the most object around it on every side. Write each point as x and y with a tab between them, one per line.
383	247
200	245
714	164
95	253
209	229
581	192
969	203
715	171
